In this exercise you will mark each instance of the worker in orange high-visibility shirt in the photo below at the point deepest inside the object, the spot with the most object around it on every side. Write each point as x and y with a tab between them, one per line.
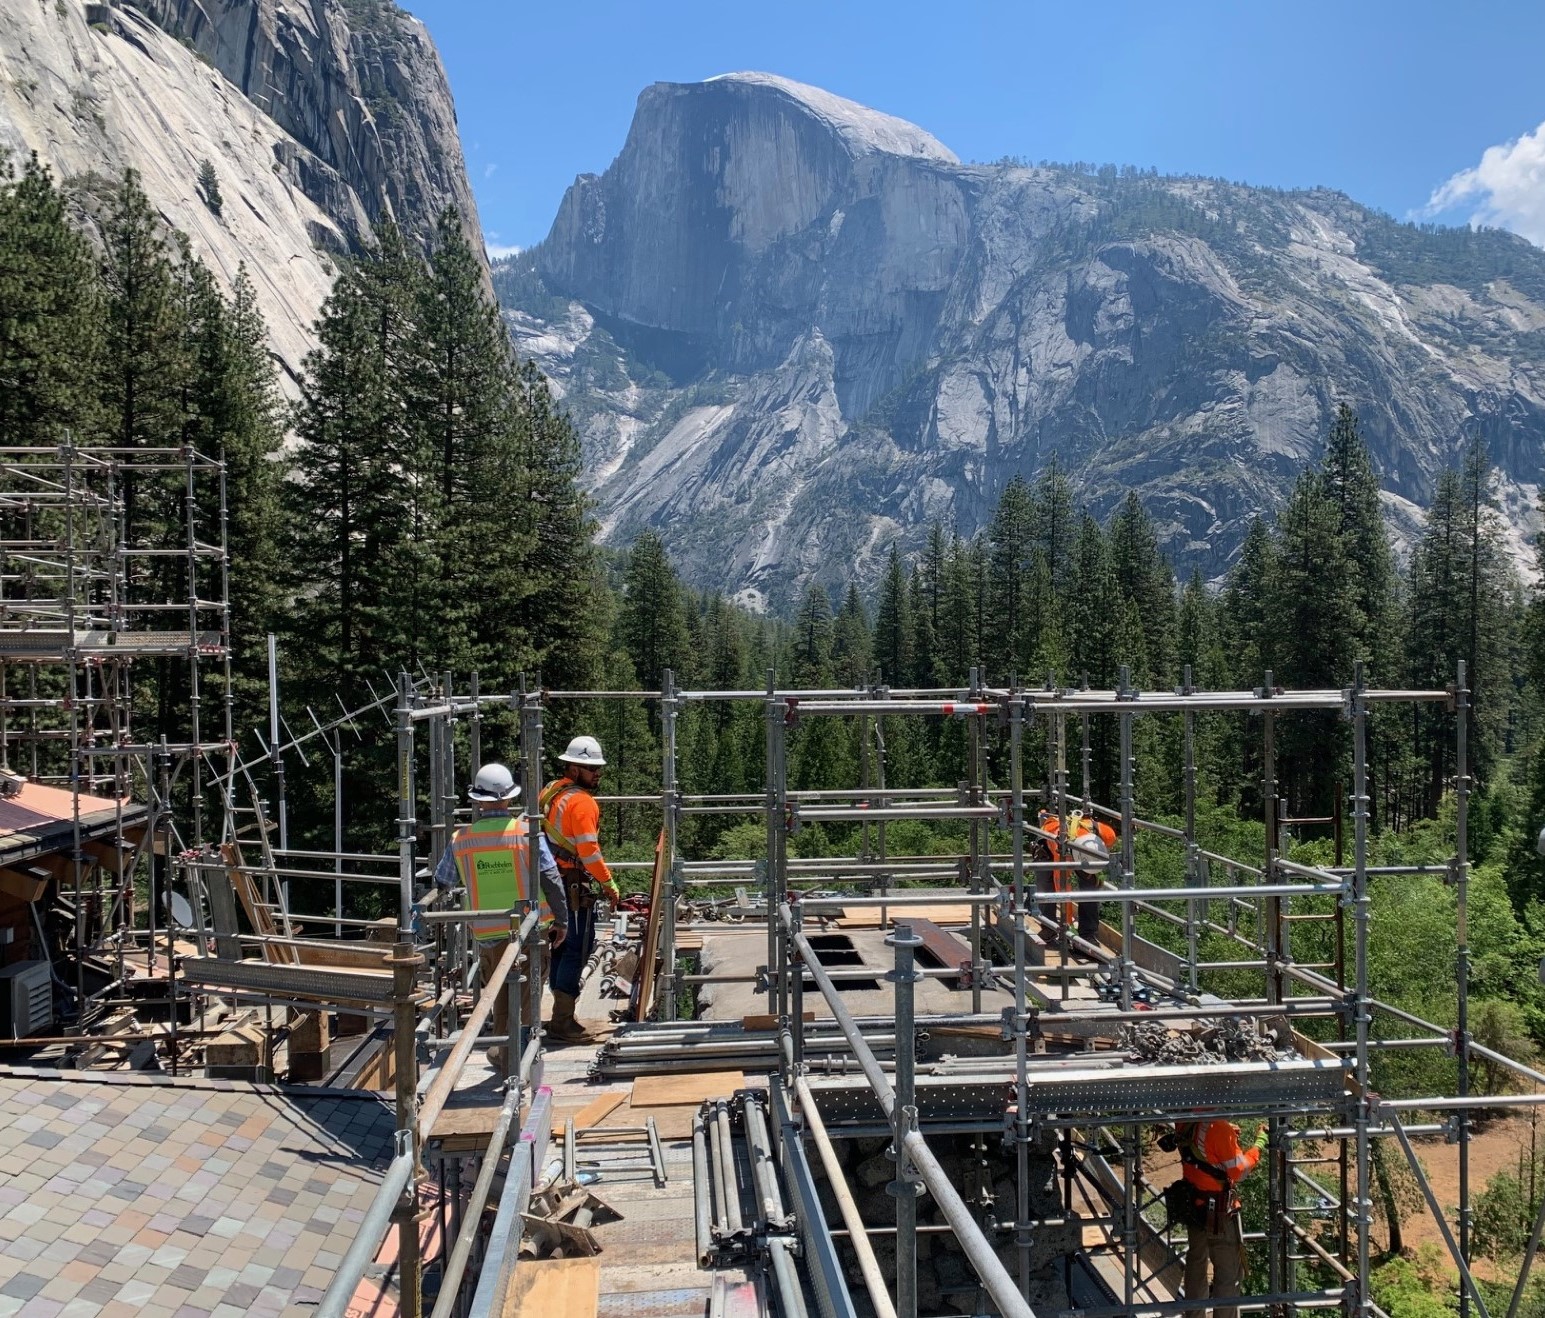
1090	842
492	859
1213	1163
573	822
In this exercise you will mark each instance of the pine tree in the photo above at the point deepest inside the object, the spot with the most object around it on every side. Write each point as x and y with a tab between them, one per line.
1055	525
1094	616
812	649
651	629
1314	614
851	643
360	483
893	631
1352	485
563	571
143	357
1144	578
1010	640
466	419
50	314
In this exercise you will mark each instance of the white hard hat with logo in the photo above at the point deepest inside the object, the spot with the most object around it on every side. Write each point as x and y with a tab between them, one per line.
494	783
1090	853
584	751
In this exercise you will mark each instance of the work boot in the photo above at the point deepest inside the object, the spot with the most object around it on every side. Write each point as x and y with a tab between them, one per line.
563	1028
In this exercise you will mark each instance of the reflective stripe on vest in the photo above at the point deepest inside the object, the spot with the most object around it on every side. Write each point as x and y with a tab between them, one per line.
556	791
495	864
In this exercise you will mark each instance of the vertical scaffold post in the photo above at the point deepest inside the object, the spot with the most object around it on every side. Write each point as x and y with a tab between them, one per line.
406	1214
1462	960
1194	863
905	1187
665	995
777	952
1021	1043
1127	839
978	876
530	705
407	809
1362	1016
273	741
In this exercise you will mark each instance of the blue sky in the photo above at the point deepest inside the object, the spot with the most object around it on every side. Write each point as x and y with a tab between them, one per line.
1390	102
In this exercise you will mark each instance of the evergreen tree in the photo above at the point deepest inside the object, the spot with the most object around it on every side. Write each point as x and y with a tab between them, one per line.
50	314
1315	617
1055	525
812	656
1144	578
1010	641
1094	614
651	629
851	644
473	483
893	630
1352	485
563	572
143	356
360	483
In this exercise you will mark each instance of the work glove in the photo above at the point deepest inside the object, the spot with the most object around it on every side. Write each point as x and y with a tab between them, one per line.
1262	1137
613	895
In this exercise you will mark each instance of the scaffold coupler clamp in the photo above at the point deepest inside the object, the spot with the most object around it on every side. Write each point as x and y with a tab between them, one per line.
1451	868
791	822
763	980
791	711
908	1182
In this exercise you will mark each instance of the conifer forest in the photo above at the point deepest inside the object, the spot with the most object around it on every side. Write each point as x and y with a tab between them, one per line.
415	501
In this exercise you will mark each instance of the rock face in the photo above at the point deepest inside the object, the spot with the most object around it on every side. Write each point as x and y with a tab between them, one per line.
320	117
793	330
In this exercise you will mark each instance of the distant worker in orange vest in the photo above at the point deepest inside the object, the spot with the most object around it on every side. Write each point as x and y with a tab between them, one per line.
1090	842
491	857
573	822
1213	1163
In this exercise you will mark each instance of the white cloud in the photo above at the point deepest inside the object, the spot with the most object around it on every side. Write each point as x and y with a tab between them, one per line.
498	251
490	168
1506	190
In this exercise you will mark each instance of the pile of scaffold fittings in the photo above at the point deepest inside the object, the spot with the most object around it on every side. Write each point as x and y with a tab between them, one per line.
1231	1039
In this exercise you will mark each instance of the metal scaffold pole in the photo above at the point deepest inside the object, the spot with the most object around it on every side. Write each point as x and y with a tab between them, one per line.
1362	1016
666	994
1462	961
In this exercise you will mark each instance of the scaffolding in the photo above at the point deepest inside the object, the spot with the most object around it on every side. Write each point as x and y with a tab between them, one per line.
114	561
1311	1094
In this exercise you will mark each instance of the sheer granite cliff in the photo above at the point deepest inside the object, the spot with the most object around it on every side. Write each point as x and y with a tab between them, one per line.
794	330
320	118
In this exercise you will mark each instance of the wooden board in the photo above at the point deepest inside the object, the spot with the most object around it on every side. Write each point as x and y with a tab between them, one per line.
555	1288
593	1113
651	949
678	1090
869	916
766	1022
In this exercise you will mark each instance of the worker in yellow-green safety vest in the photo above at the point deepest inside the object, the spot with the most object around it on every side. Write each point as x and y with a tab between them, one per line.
491	859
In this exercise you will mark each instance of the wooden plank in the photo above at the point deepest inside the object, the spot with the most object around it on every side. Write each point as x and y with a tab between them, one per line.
651	949
676	1090
567	1287
593	1113
767	1022
869	917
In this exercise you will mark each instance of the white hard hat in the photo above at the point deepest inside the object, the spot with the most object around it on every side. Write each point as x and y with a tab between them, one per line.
1091	854
584	751
493	783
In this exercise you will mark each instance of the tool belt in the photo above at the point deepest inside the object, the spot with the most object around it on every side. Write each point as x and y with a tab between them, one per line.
579	888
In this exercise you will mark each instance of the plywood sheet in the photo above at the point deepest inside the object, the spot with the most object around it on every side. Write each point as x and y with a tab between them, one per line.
679	1090
567	1287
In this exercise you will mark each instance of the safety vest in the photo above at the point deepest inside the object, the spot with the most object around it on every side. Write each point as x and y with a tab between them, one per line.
1210	1156
494	860
1078	826
572	820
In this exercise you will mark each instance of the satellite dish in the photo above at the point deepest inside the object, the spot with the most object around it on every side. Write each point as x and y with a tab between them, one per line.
177	905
